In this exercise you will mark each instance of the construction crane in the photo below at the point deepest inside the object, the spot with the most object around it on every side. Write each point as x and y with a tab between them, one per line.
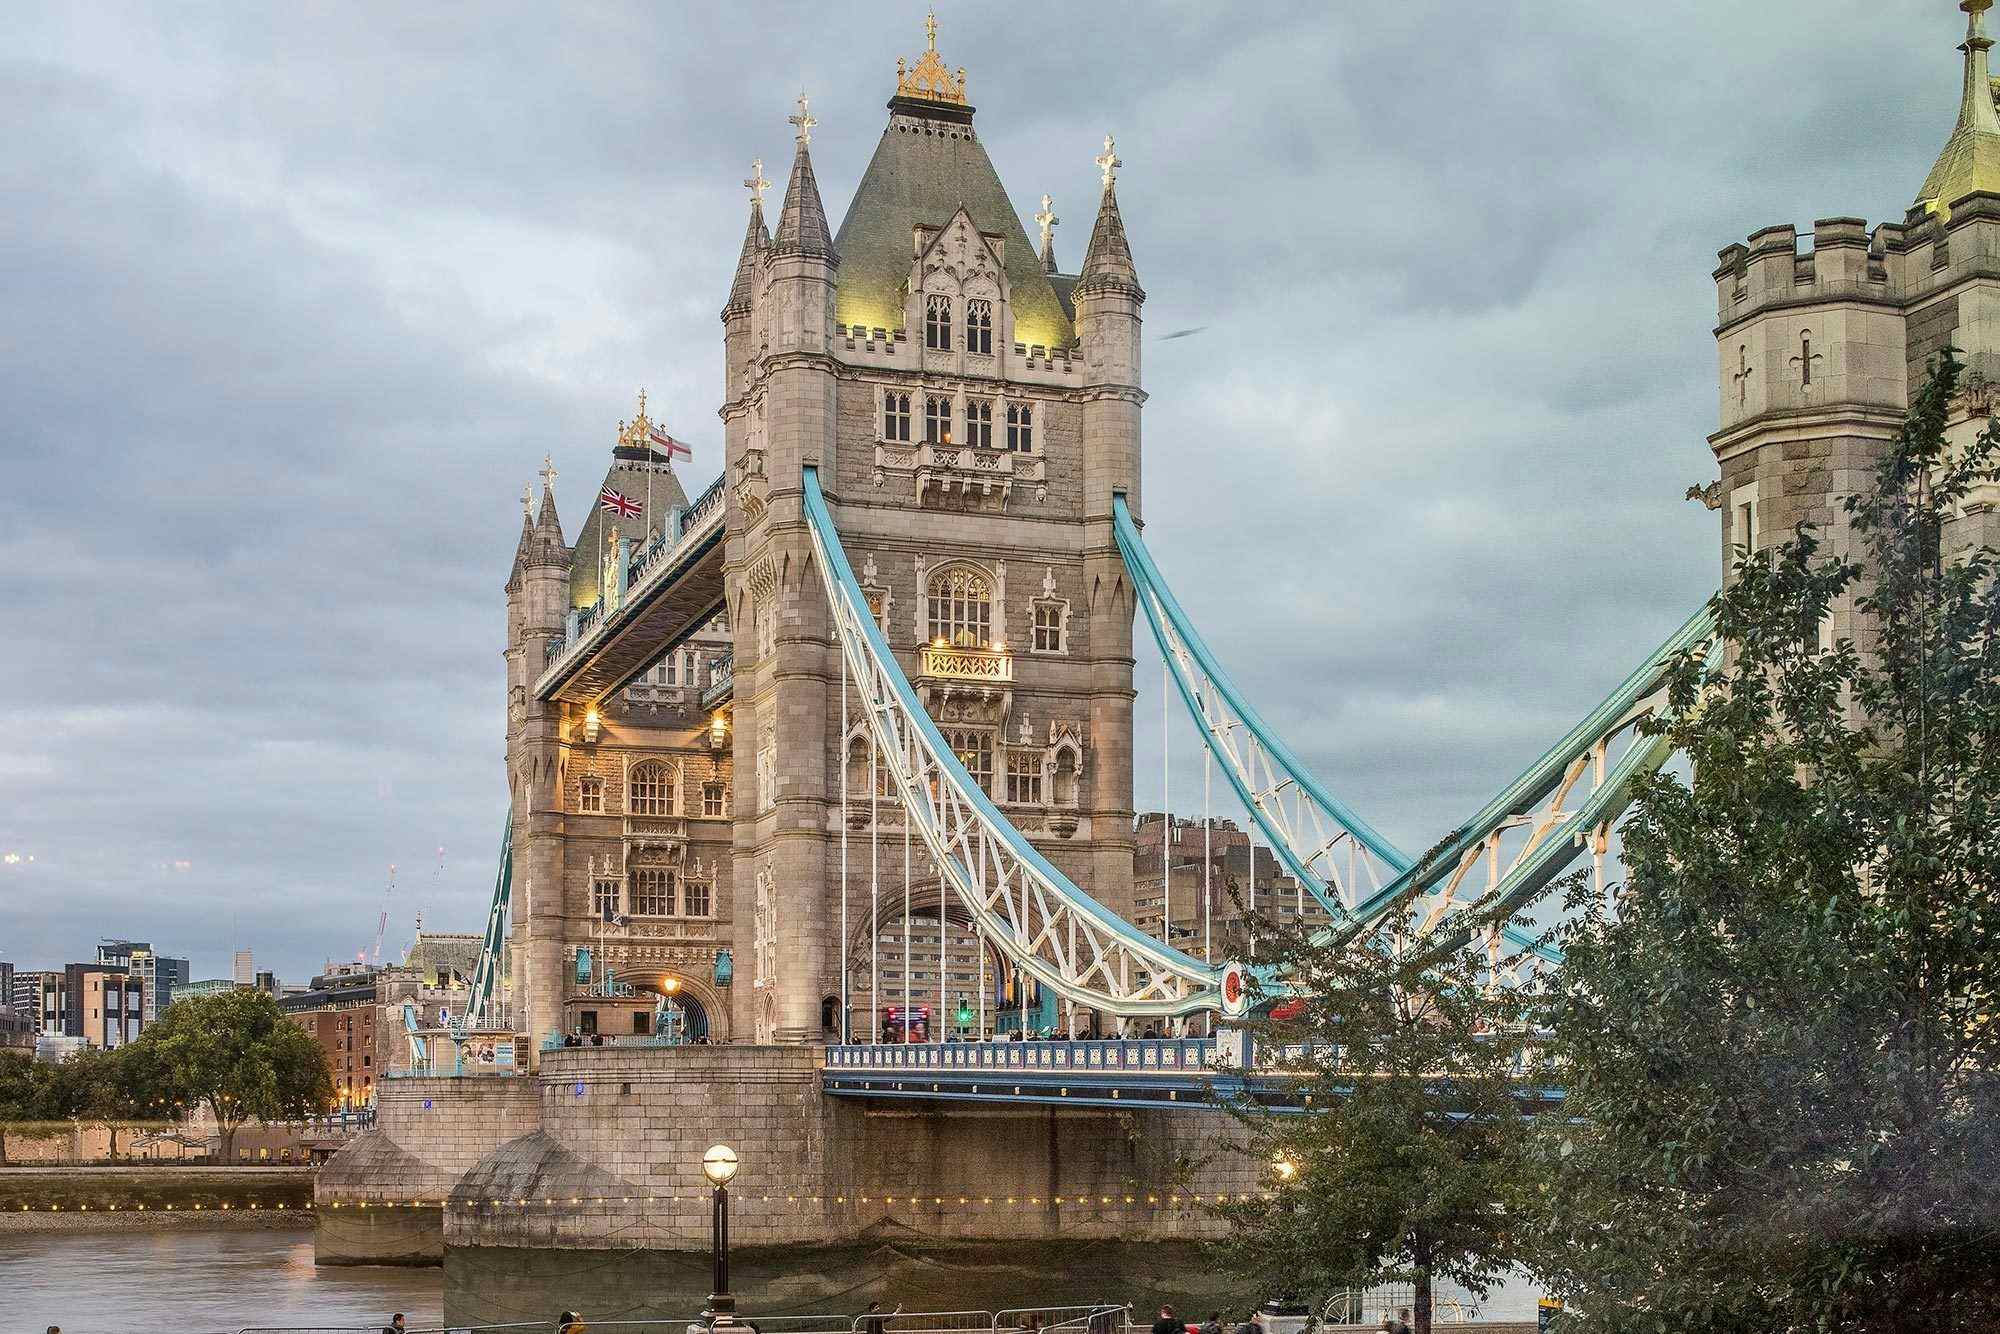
382	923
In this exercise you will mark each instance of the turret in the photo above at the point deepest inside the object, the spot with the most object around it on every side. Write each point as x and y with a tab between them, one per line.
1108	298
736	311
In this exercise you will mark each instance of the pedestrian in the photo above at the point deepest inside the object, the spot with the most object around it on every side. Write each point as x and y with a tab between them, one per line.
395	1325
570	1323
1212	1325
1403	1322
1151	1034
1167	1323
1249	1325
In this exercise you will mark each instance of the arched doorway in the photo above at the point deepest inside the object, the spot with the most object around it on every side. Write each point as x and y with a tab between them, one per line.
681	1009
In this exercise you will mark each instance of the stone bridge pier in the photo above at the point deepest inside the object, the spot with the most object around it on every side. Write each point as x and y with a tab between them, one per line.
602	1149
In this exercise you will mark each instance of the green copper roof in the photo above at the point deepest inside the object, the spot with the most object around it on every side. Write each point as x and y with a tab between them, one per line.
1971	157
927	164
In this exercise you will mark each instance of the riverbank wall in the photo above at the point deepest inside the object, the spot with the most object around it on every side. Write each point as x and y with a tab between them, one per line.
602	1150
82	1199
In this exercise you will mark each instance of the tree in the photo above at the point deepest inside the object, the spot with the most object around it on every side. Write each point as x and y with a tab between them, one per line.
1780	1053
1404	1171
237	1054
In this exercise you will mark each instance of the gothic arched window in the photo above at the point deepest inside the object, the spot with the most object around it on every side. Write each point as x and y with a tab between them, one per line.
961	608
979	326
937	323
590	796
650	791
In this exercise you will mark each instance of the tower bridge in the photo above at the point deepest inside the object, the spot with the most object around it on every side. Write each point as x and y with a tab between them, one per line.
833	764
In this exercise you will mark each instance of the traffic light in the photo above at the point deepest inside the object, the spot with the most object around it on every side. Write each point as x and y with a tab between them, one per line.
964	1011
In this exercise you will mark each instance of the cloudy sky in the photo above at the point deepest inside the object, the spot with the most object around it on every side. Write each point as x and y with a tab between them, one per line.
296	297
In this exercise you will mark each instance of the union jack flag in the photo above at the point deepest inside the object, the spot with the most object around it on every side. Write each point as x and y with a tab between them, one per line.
675	449
616	502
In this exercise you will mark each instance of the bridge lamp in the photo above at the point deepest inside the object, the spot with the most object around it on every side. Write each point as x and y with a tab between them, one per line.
670	985
719	1166
591	724
1284	1169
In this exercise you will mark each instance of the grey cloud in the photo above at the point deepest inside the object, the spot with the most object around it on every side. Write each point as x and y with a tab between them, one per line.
297	298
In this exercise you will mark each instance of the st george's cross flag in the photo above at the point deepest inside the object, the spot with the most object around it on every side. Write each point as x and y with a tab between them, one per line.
616	502
674	448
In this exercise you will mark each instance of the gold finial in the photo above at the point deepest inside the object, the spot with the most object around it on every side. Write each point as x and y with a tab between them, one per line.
929	80
1047	221
548	475
802	122
757	185
1108	163
636	433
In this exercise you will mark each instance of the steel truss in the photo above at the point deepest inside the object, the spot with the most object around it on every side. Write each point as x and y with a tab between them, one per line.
1568	800
1020	903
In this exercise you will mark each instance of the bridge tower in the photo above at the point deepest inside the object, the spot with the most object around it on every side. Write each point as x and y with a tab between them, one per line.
971	410
1819	351
537	601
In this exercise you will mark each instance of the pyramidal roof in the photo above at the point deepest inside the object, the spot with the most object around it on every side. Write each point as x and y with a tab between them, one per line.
1971	157
642	478
802	223
928	163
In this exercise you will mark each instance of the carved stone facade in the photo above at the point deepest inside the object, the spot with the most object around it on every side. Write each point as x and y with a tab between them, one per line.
1819	350
970	414
971	410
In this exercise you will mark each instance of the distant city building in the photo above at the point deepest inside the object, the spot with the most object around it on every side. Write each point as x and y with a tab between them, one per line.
245	972
96	1003
209	986
156	974
342	1014
267	982
6	985
1220	885
26	994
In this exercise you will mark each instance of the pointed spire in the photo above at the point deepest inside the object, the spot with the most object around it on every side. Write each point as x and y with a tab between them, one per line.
1971	157
1047	221
802	228
1107	260
548	524
755	241
522	548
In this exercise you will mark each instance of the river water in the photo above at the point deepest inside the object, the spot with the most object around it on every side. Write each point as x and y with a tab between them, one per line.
193	1280
197	1280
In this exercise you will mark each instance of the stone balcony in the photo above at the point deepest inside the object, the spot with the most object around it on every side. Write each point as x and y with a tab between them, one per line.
948	476
966	684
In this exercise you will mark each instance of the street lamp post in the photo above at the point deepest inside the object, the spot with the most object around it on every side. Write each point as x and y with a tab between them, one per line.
719	1166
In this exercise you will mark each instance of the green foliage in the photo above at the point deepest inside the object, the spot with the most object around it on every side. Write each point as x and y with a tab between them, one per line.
86	1085
1781	1054
235	1053
1405	1173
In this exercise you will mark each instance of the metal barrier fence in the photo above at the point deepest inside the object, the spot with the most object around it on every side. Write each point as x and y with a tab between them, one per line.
1098	1319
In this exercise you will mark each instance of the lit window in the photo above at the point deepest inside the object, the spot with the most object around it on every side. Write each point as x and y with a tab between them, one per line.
979	422
697	899
961	608
1024	777
895	415
652	789
590	796
937	323
1049	627
937	419
979	326
975	752
652	892
1021	427
603	899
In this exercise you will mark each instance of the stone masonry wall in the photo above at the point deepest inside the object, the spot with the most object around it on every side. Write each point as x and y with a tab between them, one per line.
616	1159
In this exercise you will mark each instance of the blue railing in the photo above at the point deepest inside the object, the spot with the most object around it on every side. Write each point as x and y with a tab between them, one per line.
1093	1056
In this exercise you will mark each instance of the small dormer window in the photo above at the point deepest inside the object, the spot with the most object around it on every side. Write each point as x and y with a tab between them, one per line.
937	323
979	327
937	419
895	416
979	422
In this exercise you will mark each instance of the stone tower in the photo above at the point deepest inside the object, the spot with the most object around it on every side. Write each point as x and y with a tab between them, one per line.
971	410
1818	351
